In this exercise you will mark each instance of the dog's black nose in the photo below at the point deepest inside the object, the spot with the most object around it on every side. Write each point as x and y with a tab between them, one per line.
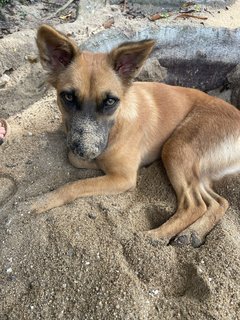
76	148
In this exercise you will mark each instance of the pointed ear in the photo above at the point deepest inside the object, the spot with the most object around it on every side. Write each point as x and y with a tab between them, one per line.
128	58
55	49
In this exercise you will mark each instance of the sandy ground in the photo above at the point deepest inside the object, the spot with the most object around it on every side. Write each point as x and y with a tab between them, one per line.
89	259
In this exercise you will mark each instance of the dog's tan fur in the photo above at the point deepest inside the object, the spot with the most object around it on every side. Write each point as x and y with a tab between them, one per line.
197	135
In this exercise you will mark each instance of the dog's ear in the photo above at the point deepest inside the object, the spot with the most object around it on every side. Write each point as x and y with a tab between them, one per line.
55	49
128	58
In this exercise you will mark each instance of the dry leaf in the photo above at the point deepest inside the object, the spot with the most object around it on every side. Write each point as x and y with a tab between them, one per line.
158	16
107	24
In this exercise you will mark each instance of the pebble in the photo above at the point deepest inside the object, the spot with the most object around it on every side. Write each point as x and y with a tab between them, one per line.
4	80
200	270
153	292
32	58
92	215
9	270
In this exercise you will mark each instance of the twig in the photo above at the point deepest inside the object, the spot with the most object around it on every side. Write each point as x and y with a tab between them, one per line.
185	15
206	10
125	3
61	9
77	11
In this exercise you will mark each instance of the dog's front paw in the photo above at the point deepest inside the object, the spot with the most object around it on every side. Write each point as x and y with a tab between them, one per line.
42	203
39	205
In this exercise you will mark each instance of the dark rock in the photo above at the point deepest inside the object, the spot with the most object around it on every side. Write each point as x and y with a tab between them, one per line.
152	70
193	56
92	215
146	4
234	81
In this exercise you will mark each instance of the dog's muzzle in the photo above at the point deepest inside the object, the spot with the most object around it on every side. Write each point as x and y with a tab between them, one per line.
86	145
87	138
89	153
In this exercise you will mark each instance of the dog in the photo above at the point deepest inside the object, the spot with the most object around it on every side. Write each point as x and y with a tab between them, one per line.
117	125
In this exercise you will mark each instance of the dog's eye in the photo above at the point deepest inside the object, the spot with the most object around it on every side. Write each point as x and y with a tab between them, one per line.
110	102
68	97
108	105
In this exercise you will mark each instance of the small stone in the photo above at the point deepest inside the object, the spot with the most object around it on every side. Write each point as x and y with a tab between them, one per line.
153	292
4	80
9	270
152	71
92	215
70	252
108	24
32	58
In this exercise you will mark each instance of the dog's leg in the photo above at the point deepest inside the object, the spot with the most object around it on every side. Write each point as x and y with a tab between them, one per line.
201	149
108	184
81	164
195	234
182	169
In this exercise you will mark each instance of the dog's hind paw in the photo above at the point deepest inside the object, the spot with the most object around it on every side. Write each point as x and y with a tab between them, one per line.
188	237
181	240
155	239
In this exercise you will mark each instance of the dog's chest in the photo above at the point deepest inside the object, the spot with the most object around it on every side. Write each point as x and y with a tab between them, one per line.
150	154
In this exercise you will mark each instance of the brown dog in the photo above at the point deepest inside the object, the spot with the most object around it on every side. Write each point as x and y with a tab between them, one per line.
119	126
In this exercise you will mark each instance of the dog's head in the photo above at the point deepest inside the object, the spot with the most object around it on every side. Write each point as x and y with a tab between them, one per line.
90	86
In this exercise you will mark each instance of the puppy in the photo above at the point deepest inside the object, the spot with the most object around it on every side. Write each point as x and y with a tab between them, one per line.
117	125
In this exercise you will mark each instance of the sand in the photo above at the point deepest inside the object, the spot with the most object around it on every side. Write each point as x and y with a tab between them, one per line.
89	259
